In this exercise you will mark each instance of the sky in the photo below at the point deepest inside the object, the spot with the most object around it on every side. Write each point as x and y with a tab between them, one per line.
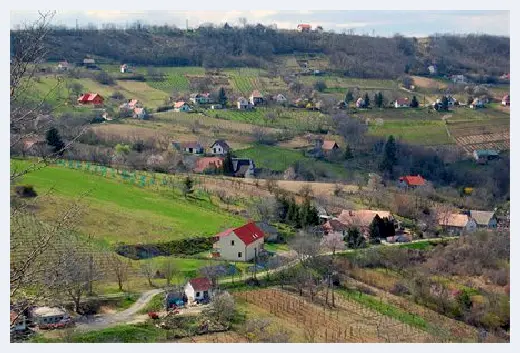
380	23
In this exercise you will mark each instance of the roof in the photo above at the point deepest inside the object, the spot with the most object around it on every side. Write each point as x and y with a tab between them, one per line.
329	144
304	25
280	96
47	311
139	111
200	284
402	101
205	162
453	220
191	144
360	218
412	180
484	153
248	233
89	97
256	94
222	143
482	217
334	225
242	170
242	100
179	104
13	315
132	102
506	97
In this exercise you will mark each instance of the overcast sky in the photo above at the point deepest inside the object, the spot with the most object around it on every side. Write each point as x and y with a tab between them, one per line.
381	23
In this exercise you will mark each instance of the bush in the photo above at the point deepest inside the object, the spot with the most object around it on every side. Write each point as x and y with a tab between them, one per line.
25	191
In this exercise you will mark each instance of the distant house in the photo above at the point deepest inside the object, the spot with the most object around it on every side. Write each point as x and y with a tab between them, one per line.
280	99
506	100
181	107
239	244
220	147
319	29
360	103
124	69
43	316
198	289
63	65
18	322
484	219
432	69
457	224
91	99
361	219
243	167
334	226
477	103
411	181
207	163
256	98
304	28
459	79
89	63
130	105
216	106
329	146
243	104
483	156
191	147
506	77
140	113
402	103
200	98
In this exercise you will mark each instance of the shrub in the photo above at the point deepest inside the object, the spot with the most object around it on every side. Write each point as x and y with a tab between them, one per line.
25	191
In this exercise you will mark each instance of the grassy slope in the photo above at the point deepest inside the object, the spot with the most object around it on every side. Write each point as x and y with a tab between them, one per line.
122	212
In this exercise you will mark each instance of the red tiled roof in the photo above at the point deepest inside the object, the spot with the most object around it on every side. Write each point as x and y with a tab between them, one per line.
256	94
413	180
304	26
191	144
248	233
88	97
206	162
132	103
402	101
179	104
360	218
453	220
200	284
329	144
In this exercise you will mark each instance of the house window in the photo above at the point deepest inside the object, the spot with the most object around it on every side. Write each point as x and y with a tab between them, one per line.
197	294
232	243
240	254
214	150
190	150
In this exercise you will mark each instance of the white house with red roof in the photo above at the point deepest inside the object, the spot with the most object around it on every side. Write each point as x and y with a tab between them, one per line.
411	181
239	244
198	289
304	27
91	98
181	107
402	103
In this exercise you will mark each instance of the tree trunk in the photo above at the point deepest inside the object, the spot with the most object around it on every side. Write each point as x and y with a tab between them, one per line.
120	283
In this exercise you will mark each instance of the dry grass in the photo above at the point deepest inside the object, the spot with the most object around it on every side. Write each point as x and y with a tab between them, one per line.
429	83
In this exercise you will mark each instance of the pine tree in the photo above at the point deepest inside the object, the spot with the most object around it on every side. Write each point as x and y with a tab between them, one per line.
367	100
381	100
414	103
228	164
222	98
348	152
188	186
389	156
445	103
348	97
54	140
376	100
374	229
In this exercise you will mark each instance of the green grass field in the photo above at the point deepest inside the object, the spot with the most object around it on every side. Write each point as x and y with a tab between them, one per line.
117	212
425	132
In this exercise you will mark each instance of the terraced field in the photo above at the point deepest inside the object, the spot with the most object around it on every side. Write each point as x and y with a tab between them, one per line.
484	134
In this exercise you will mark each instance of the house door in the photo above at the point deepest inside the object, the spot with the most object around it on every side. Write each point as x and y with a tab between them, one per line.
191	150
206	294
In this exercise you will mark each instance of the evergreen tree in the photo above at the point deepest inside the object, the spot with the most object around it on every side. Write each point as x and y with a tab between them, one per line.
54	140
389	156
376	100
354	238
414	103
188	186
308	214
349	97
293	213
228	164
445	103
374	228
222	98
348	152
367	100
381	99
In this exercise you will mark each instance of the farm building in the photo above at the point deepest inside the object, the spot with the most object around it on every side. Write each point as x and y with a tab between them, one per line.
124	69
361	219
411	181
402	103
175	297
192	147
198	289
140	113
304	28
239	244
63	65
329	146
484	219
483	156
220	147
17	322
200	98
256	98
506	100
243	104
89	63
181	107
457	224
243	167
207	163
360	103
270	232
44	315
91	98
280	99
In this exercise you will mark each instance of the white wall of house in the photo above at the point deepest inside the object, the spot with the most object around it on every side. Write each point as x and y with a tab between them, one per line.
193	295
232	248
218	149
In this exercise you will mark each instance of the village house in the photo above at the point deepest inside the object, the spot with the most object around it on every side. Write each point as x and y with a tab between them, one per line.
304	28
334	226
411	181
319	29
280	99
360	103
256	98
18	322
239	244
477	103
191	147
198	289
130	105
328	146
484	219
63	65
456	224
432	69
459	79
181	107
89	63
200	98
220	147
402	103
124	69
207	163
361	219
483	156
139	113
91	98
243	104
506	100
44	315
216	106
243	167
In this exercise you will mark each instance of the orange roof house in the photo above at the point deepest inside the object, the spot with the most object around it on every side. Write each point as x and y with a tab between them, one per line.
91	98
412	181
208	162
329	145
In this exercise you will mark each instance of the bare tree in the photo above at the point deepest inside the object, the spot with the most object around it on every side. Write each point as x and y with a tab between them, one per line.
221	310
169	270
148	271
120	268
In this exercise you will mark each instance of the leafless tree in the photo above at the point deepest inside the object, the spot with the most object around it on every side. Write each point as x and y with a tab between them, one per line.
119	267
221	310
148	271
169	270
264	210
260	330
